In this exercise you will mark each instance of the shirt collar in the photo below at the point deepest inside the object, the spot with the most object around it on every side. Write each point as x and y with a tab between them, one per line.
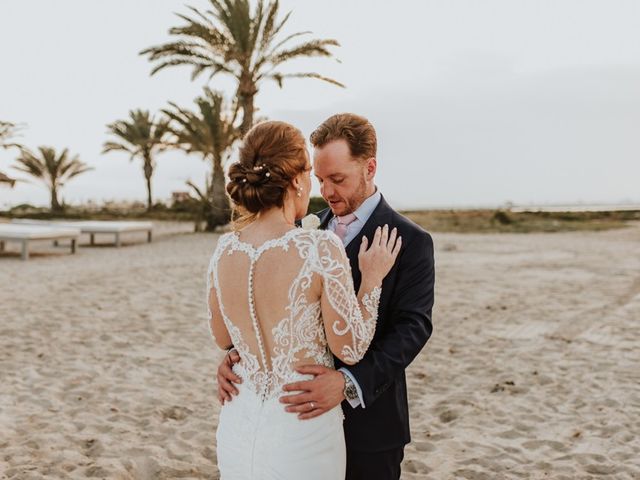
367	207
364	211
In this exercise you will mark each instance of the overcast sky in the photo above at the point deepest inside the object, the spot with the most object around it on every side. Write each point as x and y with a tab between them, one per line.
476	103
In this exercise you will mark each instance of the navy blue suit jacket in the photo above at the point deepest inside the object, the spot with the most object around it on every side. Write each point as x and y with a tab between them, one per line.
403	328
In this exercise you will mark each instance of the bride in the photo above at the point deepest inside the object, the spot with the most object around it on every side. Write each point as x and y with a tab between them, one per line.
284	297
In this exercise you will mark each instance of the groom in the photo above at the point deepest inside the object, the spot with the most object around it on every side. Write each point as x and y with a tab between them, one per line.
374	390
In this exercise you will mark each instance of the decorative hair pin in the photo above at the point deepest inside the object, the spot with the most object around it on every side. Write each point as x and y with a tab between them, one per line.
258	168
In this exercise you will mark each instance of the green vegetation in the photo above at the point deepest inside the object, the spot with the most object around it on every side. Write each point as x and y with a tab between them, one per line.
190	209
316	204
181	211
455	221
501	221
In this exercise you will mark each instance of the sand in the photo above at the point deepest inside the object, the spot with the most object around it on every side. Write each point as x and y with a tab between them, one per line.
107	369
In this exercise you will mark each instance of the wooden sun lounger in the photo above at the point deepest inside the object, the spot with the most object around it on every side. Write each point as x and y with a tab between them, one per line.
11	232
94	227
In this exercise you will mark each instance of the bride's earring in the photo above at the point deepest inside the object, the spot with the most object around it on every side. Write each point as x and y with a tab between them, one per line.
299	191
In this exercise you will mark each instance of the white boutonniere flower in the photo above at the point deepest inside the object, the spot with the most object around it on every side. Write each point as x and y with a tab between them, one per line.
310	222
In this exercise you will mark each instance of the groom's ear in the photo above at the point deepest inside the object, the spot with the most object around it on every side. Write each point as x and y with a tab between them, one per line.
372	166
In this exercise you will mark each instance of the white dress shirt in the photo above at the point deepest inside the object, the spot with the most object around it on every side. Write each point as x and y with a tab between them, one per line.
362	214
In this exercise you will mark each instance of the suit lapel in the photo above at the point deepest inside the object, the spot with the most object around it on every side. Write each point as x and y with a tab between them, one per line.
325	216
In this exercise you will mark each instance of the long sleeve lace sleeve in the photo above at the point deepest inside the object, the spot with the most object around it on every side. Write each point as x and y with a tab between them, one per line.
217	327
349	319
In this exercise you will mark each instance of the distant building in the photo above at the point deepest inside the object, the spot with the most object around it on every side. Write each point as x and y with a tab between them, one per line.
177	197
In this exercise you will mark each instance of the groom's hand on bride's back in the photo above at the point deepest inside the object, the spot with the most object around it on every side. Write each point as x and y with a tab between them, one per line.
226	377
317	396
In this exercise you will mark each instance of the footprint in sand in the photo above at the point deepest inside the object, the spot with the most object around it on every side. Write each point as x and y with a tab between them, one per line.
472	475
536	444
448	416
597	469
175	412
416	466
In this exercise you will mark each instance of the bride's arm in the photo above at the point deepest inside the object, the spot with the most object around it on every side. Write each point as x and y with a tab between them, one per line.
216	323
350	319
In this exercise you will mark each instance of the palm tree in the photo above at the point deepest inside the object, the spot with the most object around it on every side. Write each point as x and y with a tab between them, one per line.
230	39
52	169
7	131
203	201
6	179
143	137
211	132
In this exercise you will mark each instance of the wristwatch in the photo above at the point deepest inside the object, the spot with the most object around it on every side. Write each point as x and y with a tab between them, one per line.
350	391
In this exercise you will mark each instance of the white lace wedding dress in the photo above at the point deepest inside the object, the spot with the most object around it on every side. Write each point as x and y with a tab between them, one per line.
286	303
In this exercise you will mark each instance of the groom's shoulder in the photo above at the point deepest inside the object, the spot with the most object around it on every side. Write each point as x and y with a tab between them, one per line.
408	228
414	237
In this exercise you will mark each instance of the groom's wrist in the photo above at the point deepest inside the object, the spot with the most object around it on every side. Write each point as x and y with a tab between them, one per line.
349	391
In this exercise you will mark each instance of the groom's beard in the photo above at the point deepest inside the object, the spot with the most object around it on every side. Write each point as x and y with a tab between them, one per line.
351	203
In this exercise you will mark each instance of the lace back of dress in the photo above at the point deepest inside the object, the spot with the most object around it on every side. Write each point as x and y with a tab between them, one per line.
269	299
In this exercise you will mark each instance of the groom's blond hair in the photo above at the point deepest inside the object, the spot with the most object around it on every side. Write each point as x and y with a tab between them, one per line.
356	130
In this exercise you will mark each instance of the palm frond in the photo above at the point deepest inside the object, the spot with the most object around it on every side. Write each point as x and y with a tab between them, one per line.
279	78
141	135
48	166
312	48
210	130
9	130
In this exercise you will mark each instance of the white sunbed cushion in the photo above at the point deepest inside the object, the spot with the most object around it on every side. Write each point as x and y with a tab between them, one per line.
12	231
89	226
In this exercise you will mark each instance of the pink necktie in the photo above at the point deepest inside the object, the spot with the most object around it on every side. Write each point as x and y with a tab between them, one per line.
343	223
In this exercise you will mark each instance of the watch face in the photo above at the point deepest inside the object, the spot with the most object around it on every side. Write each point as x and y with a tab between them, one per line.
350	392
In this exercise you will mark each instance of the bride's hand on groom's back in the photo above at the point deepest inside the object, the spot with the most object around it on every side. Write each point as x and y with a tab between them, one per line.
376	260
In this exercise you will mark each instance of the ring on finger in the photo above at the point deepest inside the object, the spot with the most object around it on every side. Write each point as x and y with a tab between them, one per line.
312	406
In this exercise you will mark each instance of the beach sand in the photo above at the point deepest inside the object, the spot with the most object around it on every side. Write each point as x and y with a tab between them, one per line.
107	369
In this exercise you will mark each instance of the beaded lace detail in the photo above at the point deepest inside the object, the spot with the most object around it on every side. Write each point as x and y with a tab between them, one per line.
301	331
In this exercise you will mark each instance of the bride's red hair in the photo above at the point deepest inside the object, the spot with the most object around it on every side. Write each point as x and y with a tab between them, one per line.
272	154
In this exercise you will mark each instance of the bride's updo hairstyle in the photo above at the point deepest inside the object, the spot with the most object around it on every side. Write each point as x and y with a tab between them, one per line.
272	154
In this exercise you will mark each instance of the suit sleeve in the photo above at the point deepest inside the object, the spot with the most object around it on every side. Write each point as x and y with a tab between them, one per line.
410	324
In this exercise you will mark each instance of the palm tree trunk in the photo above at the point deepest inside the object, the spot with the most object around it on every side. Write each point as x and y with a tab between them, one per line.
247	114
55	204
148	172
246	96
219	210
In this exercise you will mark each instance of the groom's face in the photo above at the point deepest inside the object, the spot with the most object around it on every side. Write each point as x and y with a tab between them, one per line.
343	179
